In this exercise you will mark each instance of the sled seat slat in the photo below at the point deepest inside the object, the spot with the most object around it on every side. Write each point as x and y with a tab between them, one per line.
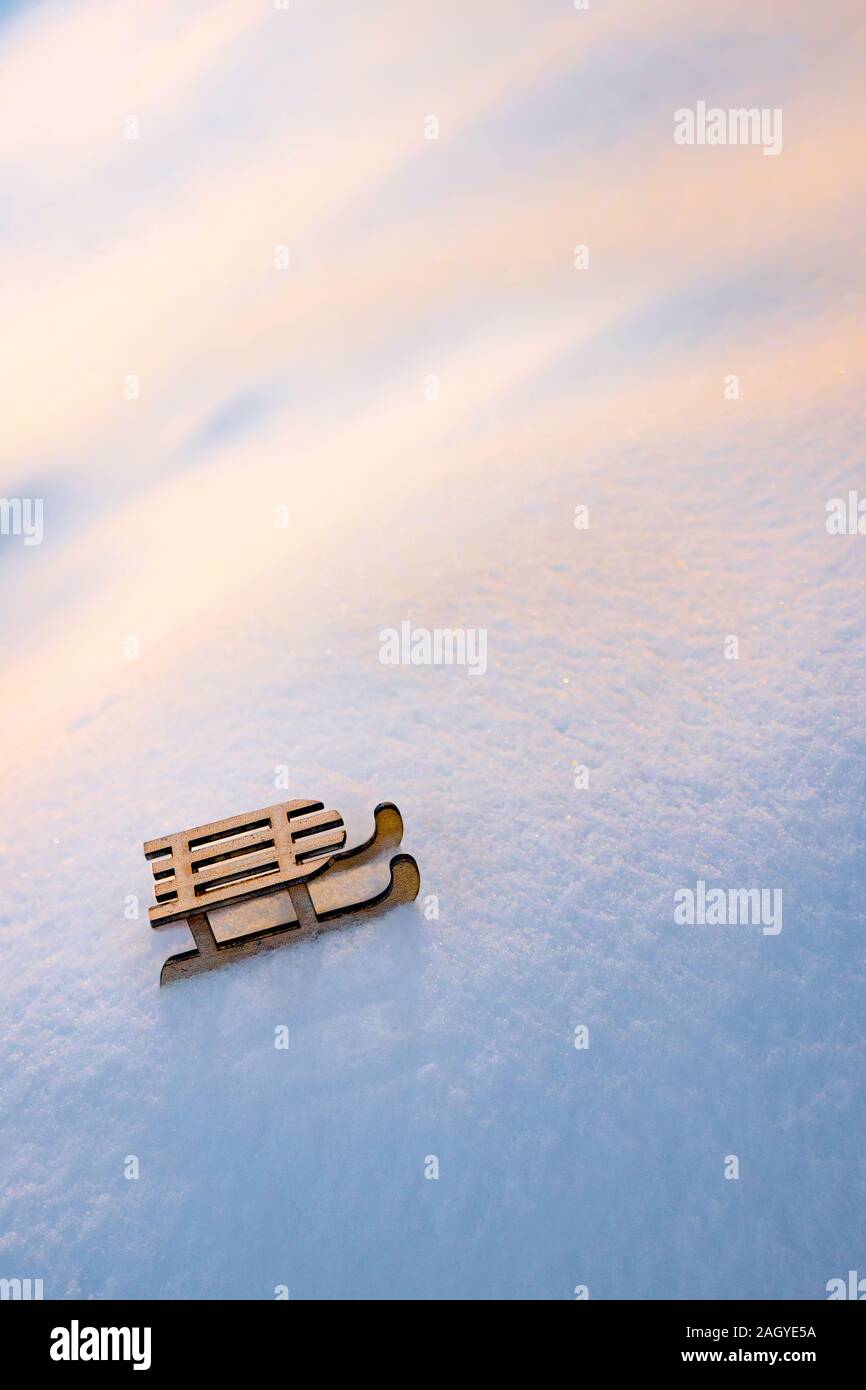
236	857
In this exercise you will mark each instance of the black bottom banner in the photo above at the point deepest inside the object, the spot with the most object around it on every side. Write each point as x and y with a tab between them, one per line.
83	1337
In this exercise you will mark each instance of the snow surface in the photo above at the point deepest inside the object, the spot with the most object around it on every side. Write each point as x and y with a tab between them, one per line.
454	1037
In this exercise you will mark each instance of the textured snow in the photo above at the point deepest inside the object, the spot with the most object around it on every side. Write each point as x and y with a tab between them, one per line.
454	1037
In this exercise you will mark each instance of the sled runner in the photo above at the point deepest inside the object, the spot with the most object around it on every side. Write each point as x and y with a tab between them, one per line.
250	883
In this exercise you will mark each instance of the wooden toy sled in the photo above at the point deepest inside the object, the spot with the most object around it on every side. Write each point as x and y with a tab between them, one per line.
251	883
